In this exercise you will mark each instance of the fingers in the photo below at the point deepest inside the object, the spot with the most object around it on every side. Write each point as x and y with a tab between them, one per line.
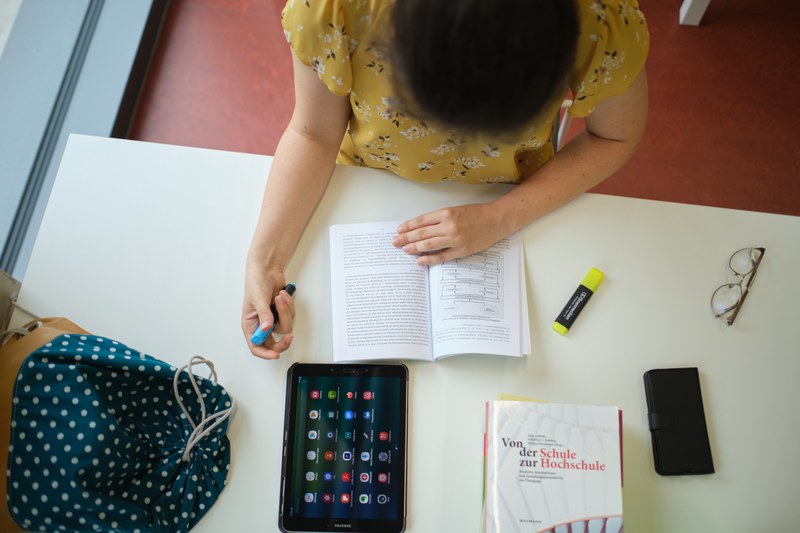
428	246
428	219
284	304
271	349
418	229
449	233
433	236
425	234
250	322
263	320
439	257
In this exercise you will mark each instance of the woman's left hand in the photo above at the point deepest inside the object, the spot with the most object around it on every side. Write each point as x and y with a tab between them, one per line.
450	233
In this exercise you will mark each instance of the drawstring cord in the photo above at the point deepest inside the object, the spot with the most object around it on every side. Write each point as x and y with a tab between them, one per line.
199	431
21	332
207	423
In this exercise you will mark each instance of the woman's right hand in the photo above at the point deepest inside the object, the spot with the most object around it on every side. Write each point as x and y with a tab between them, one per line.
261	288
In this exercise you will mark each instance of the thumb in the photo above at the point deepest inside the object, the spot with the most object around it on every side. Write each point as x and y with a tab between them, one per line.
264	327
265	316
261	304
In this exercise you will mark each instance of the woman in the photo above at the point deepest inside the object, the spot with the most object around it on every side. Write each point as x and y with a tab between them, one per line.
437	90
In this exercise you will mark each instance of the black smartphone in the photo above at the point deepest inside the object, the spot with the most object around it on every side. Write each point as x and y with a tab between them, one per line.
344	453
677	422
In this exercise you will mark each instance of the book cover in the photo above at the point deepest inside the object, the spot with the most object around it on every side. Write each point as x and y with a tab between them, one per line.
552	467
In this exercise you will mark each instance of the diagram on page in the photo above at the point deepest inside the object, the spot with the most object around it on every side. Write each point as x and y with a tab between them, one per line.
472	286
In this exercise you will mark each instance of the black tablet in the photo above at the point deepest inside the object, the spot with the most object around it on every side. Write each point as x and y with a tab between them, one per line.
344	453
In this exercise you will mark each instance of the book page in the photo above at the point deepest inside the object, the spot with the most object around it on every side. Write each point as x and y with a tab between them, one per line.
525	319
379	295
477	302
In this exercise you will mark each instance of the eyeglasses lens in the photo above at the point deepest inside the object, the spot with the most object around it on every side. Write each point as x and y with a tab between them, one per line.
742	262
726	298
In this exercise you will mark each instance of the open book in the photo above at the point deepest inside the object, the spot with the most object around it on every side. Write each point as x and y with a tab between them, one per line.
385	306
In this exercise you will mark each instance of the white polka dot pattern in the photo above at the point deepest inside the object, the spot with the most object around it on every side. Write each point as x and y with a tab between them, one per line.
97	438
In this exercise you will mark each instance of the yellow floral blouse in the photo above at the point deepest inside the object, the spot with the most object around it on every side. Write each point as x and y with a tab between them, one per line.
341	41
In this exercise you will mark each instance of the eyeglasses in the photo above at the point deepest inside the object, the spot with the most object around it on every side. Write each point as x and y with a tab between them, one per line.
727	300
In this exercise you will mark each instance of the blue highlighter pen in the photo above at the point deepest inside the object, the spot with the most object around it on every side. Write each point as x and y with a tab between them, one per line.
259	336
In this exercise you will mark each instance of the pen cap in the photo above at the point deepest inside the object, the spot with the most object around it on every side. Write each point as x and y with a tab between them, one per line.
592	279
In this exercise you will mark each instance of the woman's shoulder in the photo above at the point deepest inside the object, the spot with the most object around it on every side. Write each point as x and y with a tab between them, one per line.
324	33
354	16
611	23
612	48
605	10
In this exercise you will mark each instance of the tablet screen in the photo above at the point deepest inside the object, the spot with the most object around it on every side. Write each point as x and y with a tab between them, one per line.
345	448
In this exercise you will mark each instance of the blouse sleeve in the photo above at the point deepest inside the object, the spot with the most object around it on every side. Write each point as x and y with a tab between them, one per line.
612	49
316	32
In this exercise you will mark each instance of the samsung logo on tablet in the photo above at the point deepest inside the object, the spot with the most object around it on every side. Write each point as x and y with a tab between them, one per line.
348	526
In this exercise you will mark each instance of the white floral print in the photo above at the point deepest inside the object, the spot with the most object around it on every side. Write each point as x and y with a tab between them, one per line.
343	41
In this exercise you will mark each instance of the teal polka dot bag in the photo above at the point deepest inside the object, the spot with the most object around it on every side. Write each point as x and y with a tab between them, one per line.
105	438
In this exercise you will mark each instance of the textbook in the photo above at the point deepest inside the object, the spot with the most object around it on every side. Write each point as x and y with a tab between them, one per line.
385	306
552	467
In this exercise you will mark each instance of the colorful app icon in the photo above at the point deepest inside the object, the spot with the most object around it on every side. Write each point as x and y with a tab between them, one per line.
364	477
346	477
365	456
347	456
330	435
327	497
331	394
308	497
383	456
382	498
383	435
327	476
311	455
310	476
312	434
329	456
345	498
367	415
331	414
348	435
383	477
350	395
367	395
314	394
363	498
348	415
313	414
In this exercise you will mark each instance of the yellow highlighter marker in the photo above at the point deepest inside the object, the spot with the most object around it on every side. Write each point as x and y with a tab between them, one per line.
575	305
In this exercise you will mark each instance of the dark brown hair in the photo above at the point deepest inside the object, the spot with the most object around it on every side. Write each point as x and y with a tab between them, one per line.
481	66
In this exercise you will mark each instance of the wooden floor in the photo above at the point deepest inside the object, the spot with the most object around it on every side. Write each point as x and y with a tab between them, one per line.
723	121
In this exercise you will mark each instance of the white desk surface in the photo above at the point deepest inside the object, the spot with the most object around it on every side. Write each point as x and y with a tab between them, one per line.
146	244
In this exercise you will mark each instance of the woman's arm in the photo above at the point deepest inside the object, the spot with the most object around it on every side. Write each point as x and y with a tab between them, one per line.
613	133
300	173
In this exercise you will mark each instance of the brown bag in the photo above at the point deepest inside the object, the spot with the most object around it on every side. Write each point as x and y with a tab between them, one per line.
21	344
